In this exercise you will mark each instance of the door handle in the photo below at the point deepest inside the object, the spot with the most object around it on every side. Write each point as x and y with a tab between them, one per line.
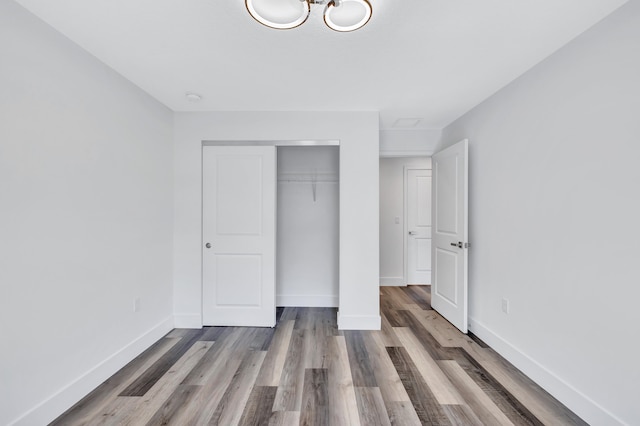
458	244
208	245
413	233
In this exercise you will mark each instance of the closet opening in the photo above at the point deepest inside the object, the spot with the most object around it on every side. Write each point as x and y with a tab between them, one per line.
308	226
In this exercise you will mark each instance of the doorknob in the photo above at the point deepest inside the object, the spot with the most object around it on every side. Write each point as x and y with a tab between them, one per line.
413	233
458	244
208	245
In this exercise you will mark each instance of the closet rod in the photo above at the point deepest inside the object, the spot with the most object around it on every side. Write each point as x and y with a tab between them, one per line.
307	181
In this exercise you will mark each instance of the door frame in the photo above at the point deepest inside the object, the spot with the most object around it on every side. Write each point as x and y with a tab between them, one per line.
275	143
405	224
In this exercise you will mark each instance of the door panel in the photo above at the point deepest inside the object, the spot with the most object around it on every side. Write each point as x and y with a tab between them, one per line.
447	191
418	193
423	195
423	254
449	288
238	222
239	195
243	278
446	271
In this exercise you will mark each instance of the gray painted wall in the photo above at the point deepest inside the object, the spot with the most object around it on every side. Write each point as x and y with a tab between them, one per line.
85	220
554	208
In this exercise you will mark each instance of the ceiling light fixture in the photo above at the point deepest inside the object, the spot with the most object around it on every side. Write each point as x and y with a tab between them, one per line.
339	15
193	97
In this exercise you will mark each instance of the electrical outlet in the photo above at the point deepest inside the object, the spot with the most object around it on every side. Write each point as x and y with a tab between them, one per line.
397	220
505	305
136	304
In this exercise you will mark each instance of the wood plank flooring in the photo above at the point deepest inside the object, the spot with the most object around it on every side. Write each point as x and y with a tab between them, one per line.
417	370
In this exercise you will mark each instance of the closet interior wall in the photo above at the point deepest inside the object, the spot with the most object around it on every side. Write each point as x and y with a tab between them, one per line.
308	226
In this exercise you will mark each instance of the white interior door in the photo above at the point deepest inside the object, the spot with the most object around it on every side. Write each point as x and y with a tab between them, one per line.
239	221
418	193
450	227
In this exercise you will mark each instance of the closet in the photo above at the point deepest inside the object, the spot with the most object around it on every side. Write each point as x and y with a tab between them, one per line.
270	229
307	249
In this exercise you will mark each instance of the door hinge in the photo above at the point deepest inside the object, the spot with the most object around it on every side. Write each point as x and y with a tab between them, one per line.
467	245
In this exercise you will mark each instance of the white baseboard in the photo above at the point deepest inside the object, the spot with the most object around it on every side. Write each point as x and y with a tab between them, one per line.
392	282
49	409
576	401
187	320
359	322
319	301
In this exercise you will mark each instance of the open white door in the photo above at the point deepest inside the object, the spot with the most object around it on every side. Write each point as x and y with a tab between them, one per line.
239	240
450	227
418	205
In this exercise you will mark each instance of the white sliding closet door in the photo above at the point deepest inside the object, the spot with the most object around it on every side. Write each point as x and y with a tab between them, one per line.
238	222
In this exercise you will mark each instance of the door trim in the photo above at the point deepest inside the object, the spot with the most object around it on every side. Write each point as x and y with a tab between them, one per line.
300	142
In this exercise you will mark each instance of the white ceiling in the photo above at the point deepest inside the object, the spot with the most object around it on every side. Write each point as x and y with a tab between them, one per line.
428	59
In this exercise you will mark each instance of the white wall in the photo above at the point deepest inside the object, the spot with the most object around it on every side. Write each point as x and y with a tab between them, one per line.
554	226
392	246
85	220
358	135
308	226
